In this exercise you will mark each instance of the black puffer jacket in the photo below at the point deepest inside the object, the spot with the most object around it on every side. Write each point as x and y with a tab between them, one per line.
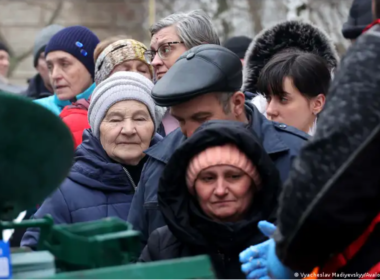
36	88
333	192
189	231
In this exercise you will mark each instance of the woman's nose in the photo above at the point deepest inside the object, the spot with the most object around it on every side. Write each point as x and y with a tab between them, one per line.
272	110
157	61
221	187
55	74
128	127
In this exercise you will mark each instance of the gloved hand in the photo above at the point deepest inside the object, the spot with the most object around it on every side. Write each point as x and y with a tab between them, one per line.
275	268
255	258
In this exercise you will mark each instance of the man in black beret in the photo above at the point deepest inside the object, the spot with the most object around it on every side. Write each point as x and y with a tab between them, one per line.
359	17
204	84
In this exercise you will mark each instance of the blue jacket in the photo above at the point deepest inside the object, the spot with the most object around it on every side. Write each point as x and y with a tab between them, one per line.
55	105
96	188
280	141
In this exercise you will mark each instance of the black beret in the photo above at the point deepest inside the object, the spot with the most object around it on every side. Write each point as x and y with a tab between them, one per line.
359	18
200	70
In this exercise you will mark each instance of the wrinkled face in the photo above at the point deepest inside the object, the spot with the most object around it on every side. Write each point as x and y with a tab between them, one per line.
133	66
67	74
198	110
293	108
4	63
172	52
224	193
43	70
126	132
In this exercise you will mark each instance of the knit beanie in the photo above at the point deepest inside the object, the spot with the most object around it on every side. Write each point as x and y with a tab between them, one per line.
78	41
239	45
3	47
120	86
227	154
42	39
116	53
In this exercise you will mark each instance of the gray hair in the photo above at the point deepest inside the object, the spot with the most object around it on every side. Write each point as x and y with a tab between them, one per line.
194	28
224	100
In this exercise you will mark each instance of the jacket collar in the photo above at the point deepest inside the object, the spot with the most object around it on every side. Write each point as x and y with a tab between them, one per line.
86	94
164	149
264	129
36	88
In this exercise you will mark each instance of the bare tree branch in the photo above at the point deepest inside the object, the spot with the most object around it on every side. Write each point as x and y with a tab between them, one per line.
255	11
18	59
56	13
164	8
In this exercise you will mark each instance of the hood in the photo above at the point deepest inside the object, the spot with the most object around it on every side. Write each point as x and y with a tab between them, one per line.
94	169
295	35
84	95
181	211
36	88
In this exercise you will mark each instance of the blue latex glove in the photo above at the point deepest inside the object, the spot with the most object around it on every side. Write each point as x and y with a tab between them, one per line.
275	269
255	258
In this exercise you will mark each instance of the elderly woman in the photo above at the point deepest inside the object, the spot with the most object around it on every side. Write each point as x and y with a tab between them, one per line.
214	190
121	55
109	162
69	58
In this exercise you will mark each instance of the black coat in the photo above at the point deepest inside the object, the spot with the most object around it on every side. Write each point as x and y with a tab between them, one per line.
333	192
189	232
36	88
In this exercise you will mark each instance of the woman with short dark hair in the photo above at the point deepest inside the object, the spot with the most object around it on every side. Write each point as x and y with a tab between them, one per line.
295	85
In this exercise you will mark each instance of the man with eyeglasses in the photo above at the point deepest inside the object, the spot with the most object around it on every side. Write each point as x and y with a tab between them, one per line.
171	37
204	84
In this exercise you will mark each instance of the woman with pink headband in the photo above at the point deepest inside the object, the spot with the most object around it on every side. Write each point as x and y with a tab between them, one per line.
214	190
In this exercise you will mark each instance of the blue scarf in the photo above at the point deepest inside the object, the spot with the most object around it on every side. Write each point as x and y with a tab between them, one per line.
84	95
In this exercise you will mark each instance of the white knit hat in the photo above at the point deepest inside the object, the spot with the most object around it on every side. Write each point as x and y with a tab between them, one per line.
118	87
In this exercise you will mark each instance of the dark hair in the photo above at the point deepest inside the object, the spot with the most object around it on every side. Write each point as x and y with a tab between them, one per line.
3	47
309	73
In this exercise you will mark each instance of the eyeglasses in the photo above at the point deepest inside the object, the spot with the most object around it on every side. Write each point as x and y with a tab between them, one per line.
163	51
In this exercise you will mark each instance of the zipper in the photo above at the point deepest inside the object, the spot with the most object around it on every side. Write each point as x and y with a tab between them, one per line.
130	179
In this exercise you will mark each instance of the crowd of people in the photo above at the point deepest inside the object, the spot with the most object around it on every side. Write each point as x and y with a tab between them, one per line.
260	153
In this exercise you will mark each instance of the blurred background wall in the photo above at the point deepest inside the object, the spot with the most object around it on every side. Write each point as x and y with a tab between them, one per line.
20	20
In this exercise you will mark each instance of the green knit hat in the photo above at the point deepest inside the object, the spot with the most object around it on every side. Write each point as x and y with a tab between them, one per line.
36	153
